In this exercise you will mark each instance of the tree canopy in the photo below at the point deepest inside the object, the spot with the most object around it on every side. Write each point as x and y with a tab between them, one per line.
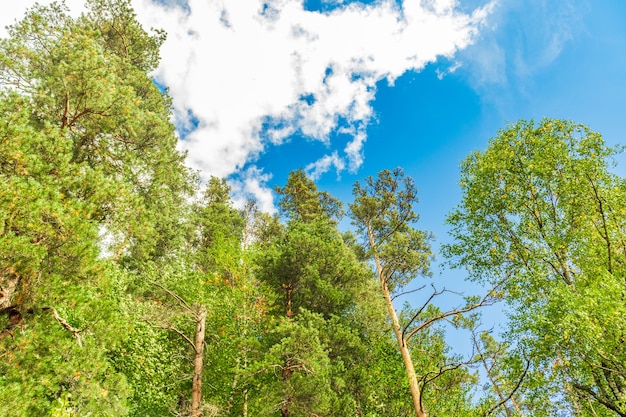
543	216
128	287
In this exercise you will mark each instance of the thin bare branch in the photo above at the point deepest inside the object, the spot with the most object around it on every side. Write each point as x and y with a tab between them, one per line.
75	332
408	292
177	297
486	300
177	331
421	309
513	391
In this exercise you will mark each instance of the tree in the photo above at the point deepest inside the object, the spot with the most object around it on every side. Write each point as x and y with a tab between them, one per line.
510	380
86	148
89	77
383	214
61	299
313	269
317	284
543	216
301	201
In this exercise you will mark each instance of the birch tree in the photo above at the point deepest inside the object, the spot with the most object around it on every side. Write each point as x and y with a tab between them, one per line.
543	213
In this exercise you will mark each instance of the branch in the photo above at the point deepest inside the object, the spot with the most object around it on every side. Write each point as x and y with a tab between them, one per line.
75	332
493	356
433	295
121	35
442	370
486	300
177	297
608	404
513	391
178	332
425	380
601	211
408	292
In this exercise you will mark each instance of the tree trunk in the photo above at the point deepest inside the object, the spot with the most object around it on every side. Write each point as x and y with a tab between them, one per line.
9	280
245	404
288	292
286	374
416	395
196	390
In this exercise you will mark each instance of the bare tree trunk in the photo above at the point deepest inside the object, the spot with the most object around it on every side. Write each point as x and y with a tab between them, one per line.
416	394
245	404
9	280
196	390
288	294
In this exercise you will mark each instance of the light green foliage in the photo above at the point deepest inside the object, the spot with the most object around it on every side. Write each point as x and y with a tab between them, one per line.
211	270
217	230
543	216
516	384
48	260
46	225
44	365
88	77
151	361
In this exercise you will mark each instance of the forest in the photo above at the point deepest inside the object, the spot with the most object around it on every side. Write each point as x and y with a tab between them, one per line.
129	287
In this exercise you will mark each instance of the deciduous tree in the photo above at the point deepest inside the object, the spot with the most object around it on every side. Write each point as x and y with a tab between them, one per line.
543	215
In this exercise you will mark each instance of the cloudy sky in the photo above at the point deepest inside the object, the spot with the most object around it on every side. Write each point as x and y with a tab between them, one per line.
345	88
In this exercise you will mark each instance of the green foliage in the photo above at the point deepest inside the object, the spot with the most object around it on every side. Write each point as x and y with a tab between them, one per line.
295	371
105	258
217	229
46	366
543	216
151	361
311	262
88	77
49	262
382	212
323	315
301	201
86	149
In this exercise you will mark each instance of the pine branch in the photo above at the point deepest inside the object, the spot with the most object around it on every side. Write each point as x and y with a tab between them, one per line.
75	332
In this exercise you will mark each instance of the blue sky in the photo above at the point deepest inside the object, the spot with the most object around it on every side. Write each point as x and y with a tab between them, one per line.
347	88
565	62
427	123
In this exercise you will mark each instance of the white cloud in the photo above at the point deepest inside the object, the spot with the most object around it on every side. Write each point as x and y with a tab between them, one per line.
252	184
237	65
254	71
522	39
354	150
316	169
